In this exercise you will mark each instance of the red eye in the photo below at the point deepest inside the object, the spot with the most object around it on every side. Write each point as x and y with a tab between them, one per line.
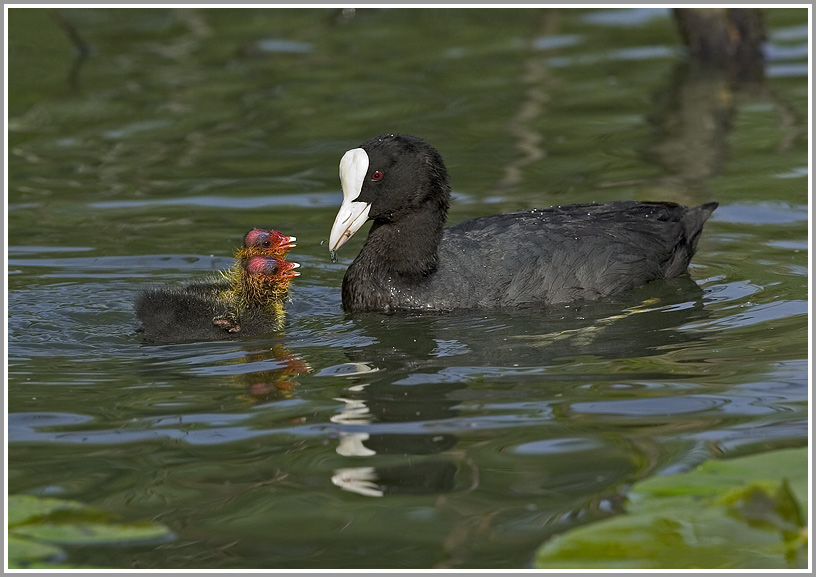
376	175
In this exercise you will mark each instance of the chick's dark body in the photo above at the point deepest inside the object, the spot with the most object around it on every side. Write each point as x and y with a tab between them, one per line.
186	314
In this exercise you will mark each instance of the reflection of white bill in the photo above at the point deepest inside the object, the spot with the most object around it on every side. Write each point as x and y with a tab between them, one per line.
354	413
347	370
351	445
359	480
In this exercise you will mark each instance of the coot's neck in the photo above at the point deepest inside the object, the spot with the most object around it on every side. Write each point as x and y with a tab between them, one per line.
406	247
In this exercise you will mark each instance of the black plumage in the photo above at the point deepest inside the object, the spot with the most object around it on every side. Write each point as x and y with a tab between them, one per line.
537	257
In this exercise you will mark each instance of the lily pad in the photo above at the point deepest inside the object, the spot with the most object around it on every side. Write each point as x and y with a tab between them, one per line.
39	527
96	534
22	552
28	509
733	514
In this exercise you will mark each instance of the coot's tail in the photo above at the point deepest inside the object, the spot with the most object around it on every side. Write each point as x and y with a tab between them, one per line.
692	222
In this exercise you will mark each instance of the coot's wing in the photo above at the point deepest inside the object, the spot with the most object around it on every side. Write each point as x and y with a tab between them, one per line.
561	254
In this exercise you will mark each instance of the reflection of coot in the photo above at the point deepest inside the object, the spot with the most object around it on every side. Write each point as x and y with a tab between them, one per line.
639	323
553	255
423	478
249	298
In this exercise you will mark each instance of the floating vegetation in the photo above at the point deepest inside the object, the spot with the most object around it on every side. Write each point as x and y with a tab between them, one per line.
39	528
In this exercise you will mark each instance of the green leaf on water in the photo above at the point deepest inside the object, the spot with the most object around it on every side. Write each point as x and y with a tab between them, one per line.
94	533
740	513
37	527
28	509
22	552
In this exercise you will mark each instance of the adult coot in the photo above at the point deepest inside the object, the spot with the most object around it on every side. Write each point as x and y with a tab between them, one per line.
534	257
249	297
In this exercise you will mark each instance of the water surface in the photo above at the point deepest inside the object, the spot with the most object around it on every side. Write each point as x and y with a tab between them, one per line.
404	441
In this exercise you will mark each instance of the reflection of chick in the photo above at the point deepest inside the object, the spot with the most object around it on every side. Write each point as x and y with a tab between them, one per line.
248	298
268	384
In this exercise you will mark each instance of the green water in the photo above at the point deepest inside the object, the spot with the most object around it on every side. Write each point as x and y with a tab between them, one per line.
439	441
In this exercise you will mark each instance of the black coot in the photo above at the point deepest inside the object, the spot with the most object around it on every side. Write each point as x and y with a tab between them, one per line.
535	257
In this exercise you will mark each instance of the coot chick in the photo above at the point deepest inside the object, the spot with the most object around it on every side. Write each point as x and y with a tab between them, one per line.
262	283
535	257
250	300
266	242
257	242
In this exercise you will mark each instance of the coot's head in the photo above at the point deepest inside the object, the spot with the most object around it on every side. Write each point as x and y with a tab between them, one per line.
267	277
388	179
265	242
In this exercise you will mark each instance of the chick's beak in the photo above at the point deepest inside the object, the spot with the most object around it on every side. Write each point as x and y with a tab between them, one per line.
288	269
